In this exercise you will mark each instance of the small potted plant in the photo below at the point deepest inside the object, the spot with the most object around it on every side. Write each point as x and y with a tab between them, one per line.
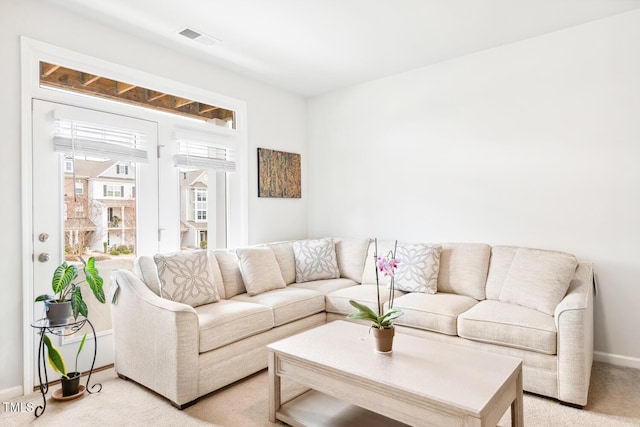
70	380
68	297
381	322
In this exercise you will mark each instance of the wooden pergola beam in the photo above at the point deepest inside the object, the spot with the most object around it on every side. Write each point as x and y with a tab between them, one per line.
87	79
123	87
204	108
152	95
181	102
48	69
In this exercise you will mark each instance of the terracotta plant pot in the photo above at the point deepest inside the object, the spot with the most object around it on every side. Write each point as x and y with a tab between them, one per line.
71	385
383	339
58	312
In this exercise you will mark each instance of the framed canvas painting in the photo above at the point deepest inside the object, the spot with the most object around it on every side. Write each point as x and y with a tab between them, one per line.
279	174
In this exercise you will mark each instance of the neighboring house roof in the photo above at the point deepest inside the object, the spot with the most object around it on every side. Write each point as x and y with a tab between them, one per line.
190	178
91	168
80	224
197	225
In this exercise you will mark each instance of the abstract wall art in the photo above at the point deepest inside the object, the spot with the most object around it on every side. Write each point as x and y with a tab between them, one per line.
279	174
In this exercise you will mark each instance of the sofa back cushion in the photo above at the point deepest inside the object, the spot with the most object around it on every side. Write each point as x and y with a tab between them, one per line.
463	269
286	260
538	279
259	269
315	260
230	270
351	254
186	277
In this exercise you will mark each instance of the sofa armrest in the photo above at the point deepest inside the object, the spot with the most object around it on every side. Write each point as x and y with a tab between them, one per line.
155	339
574	323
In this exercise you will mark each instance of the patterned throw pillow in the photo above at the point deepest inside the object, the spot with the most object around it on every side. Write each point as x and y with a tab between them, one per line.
418	267
315	260
186	277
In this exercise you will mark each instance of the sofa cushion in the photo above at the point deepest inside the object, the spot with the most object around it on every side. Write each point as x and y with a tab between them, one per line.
229	321
463	269
369	273
538	279
315	260
186	277
501	259
230	270
286	260
418	267
288	304
325	286
338	301
351	254
259	269
431	312
509	325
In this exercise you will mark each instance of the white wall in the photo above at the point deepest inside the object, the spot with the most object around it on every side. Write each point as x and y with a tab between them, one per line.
276	120
535	143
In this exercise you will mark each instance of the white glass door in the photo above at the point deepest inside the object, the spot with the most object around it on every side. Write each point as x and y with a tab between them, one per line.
93	196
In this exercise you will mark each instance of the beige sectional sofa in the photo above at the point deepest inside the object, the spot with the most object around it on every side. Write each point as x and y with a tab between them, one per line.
536	305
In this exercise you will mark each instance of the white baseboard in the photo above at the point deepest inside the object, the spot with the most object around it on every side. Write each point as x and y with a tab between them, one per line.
10	393
616	359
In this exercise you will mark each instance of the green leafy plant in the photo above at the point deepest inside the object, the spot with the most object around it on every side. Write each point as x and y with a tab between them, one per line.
65	289
381	319
55	357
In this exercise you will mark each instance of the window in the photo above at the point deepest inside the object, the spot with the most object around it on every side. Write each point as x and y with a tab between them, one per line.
122	169
79	211
68	165
109	190
79	188
200	204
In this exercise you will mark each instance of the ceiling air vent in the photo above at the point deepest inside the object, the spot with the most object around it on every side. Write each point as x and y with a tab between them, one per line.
198	36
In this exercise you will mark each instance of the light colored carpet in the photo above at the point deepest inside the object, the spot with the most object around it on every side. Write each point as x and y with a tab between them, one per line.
614	400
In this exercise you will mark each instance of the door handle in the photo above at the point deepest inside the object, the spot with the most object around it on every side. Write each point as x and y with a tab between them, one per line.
43	257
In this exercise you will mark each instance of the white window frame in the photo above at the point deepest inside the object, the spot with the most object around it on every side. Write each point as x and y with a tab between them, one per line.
78	187
32	53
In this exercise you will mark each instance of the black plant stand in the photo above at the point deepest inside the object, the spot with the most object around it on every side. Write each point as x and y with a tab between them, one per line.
62	329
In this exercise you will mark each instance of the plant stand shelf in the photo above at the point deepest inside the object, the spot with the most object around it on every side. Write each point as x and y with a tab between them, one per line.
61	329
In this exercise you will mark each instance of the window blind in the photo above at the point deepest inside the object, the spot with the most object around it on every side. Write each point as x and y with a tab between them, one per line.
90	140
203	155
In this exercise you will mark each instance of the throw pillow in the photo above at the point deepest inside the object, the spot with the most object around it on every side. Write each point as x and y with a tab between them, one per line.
315	260
259	269
538	279
186	277
417	268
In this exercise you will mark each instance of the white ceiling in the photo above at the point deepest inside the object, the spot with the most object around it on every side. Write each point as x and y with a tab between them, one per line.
315	46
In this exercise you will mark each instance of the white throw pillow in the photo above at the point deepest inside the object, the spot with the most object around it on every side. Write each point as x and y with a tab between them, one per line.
315	260
260	270
186	277
538	279
417	267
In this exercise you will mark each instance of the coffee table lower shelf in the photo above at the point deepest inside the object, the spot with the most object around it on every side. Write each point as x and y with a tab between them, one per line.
314	408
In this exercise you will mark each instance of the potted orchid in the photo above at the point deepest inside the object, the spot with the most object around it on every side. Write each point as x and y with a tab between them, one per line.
381	321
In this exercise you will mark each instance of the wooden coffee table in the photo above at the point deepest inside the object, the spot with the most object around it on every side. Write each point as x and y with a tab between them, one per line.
422	382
